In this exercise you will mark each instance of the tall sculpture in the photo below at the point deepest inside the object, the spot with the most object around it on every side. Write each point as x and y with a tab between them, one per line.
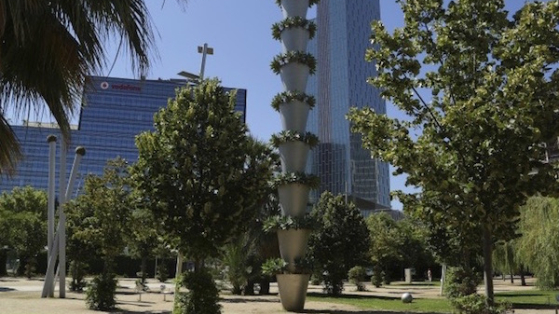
294	65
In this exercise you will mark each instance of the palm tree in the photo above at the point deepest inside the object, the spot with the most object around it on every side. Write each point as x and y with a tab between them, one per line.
47	48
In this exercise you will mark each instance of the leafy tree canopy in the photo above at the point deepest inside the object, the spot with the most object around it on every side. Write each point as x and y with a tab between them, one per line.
340	242
49	47
200	171
494	100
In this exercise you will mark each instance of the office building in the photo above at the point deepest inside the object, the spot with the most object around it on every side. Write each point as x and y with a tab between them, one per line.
113	112
343	35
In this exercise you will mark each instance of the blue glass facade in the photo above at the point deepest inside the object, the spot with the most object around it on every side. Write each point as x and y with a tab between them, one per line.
113	112
340	83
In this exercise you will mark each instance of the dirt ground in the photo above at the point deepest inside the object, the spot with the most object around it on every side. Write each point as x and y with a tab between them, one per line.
22	296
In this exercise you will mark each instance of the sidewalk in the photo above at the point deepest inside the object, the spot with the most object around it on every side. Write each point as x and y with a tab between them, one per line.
22	296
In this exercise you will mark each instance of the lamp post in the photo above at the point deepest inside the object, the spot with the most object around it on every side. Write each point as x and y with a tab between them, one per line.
204	50
191	77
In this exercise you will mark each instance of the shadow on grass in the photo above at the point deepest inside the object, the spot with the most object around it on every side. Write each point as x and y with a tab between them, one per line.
351	296
327	311
4	289
119	311
532	306
249	299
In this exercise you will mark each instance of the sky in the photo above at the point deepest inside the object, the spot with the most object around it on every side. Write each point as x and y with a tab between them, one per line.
240	33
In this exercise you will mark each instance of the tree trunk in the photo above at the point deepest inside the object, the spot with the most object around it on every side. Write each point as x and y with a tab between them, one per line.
3	259
264	287
511	276
248	289
143	269
522	278
488	264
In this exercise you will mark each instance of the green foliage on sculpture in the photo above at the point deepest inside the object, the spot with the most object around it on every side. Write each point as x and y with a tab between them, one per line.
493	85
289	96
311	2
293	57
282	222
293	22
340	242
293	136
310	180
276	266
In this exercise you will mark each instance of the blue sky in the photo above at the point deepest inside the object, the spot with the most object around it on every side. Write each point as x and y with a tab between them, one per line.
239	32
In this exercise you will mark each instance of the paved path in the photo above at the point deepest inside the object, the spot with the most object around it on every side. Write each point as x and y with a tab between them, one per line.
21	296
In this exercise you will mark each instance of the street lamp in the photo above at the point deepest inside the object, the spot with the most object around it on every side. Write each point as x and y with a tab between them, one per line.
204	50
191	77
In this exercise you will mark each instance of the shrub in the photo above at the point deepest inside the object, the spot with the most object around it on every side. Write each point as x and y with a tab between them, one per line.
162	272
77	271
376	278
476	304
356	276
101	292
202	296
460	282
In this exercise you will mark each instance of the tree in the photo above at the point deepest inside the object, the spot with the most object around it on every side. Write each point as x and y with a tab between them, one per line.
100	219
244	254
493	83
202	171
144	238
23	227
340	241
49	47
537	248
385	246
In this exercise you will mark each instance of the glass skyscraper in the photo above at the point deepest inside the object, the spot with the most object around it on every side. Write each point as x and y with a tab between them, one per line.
113	112
343	35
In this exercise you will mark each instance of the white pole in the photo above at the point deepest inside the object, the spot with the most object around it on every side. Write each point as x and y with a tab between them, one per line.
51	139
178	274
48	287
62	220
80	151
443	275
204	52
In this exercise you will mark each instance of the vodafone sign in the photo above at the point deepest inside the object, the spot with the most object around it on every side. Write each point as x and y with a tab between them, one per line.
121	87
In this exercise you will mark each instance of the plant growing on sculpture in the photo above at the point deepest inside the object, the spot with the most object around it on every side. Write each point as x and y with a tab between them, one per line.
292	136
311	2
289	96
293	57
309	180
277	266
293	22
281	222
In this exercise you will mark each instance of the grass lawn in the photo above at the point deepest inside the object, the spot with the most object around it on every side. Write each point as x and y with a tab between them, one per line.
529	299
386	303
